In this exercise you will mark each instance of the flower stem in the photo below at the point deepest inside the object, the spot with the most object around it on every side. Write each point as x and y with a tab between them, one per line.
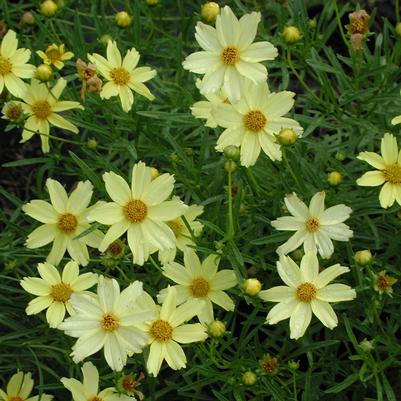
230	225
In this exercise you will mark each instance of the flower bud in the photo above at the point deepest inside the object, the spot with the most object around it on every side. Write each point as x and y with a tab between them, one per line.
252	286
217	328
44	72
287	136
210	11
27	18
291	34
249	378
363	257
152	2
398	29
91	143
312	23
48	8
230	166
155	172
293	365
334	178
340	156
12	111
366	345
104	39
232	152
123	19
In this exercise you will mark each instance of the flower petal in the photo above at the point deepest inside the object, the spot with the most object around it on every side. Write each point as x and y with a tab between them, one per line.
325	313
300	319
336	293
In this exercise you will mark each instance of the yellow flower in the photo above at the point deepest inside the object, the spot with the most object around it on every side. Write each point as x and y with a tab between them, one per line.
141	210
388	171
123	76
13	65
55	55
63	220
54	291
200	281
42	106
167	331
19	387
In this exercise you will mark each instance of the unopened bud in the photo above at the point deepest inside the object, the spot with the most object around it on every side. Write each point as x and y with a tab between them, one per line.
291	34
232	152
217	328
252	286
91	143
27	18
44	72
287	136
334	178
104	39
363	257
249	378
152	2
48	8
155	172
123	19
366	345
230	166
210	11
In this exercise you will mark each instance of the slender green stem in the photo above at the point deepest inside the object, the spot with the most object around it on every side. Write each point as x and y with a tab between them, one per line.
294	384
155	264
290	170
340	26
397	10
300	79
230	225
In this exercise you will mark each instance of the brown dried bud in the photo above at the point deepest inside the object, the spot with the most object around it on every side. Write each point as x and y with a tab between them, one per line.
94	84
358	22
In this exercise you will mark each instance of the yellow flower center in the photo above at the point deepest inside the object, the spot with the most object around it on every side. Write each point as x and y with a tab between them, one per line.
254	120
41	109
67	223
120	76
161	331
230	55
199	287
96	398
15	398
312	224
5	66
61	292
176	226
110	322
53	55
306	292
392	174
135	211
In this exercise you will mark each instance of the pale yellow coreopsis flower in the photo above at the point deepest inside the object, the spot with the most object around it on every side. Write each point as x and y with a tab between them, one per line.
200	281
63	220
388	171
20	387
42	106
230	56
108	320
54	291
167	331
88	389
182	234
254	122
122	75
307	291
142	211
13	65
55	55
315	226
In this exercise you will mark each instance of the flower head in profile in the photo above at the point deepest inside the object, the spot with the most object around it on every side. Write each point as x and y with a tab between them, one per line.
108	320
388	171
182	234
88	389
315	226
122	75
54	291
306	291
42	106
229	55
254	122
20	387
167	331
141	210
200	281
63	220
13	65
55	55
